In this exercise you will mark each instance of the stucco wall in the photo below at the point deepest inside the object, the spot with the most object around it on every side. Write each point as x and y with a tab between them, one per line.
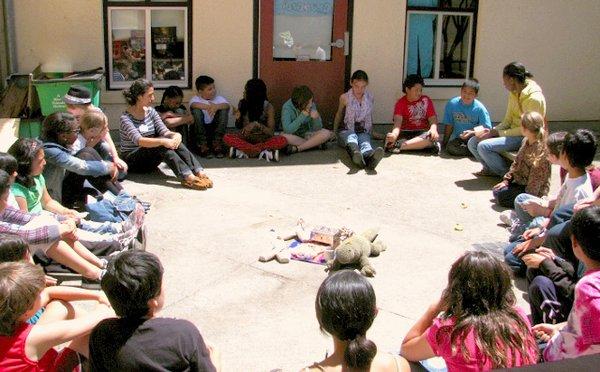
557	40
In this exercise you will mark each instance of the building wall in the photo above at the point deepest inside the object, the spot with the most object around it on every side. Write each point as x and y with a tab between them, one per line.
557	40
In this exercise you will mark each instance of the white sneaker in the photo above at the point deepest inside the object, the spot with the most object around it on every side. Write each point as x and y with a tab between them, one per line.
232	153
240	154
266	154
507	217
276	156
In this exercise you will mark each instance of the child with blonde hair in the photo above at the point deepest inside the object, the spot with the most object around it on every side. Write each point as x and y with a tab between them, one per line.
530	172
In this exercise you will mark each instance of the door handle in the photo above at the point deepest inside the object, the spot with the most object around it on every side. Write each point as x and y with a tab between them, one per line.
343	43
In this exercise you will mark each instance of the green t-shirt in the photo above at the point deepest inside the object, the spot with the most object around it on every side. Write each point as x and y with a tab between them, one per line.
32	195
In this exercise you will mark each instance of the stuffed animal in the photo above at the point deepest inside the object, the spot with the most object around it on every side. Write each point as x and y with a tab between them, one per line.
355	251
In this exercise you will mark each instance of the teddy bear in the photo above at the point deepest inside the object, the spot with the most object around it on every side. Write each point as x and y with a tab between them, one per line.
355	251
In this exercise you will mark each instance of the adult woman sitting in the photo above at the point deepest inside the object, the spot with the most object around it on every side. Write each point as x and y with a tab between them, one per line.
146	141
524	95
68	171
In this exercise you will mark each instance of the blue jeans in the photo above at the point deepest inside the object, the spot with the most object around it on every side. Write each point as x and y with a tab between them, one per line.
363	140
487	152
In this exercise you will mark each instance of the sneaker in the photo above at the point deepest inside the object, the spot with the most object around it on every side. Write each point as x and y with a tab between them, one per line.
240	154
357	158
265	154
276	156
232	153
375	158
436	149
142	238
507	217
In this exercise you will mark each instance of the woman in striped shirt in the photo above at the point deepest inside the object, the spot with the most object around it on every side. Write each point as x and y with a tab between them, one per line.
146	141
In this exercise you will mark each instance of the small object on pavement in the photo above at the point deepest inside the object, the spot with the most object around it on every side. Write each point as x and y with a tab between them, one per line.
458	227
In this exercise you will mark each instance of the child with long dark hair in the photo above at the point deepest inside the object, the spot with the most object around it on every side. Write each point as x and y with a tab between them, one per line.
479	328
346	307
255	117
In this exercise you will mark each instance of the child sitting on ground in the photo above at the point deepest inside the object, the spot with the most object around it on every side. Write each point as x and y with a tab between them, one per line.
27	347
530	172
578	152
302	123
211	113
346	307
479	328
581	334
55	239
139	340
255	117
461	115
176	117
415	120
355	114
78	101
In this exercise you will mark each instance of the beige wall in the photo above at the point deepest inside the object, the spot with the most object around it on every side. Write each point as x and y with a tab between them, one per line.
377	48
557	40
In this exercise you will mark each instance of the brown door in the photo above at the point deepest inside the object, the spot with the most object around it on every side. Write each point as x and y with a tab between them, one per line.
304	42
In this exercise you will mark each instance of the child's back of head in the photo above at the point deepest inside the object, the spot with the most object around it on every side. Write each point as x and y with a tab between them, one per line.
585	227
132	279
8	163
12	248
346	307
480	299
580	148
20	284
555	142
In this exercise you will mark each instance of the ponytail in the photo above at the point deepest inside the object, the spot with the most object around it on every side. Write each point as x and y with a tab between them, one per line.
360	352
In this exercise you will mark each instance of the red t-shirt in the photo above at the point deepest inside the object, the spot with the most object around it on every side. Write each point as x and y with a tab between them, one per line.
415	114
13	358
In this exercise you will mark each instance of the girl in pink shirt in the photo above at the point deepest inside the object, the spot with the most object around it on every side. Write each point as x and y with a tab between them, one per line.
479	327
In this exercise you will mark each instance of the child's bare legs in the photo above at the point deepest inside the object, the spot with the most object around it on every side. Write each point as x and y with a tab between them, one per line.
60	310
416	143
62	253
85	253
319	137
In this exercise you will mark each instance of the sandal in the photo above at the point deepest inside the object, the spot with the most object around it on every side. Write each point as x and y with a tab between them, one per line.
194	184
203	179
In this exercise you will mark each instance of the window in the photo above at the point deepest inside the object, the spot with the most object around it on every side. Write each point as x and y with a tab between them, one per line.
148	39
440	40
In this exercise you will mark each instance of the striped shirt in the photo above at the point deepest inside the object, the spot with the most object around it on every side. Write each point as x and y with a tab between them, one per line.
13	221
133	129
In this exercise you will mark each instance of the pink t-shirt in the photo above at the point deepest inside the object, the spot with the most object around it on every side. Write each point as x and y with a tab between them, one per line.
581	335
415	114
442	328
12	353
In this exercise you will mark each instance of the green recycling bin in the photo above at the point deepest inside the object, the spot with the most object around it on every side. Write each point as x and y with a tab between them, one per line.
53	86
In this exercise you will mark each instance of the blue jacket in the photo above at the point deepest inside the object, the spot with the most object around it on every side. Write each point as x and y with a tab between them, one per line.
59	160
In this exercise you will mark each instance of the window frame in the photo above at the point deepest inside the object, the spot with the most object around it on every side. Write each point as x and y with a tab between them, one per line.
440	12
148	6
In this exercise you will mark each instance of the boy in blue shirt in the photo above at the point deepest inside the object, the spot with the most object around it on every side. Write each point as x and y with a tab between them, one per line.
461	116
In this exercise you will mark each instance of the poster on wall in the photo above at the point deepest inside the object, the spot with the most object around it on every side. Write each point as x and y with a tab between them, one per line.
304	8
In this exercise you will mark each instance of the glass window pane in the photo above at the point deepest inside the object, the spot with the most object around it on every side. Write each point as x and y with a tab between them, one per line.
456	42
423	3
169	35
128	44
421	44
302	29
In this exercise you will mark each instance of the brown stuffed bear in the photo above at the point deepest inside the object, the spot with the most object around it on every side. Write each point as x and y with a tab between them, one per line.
355	251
